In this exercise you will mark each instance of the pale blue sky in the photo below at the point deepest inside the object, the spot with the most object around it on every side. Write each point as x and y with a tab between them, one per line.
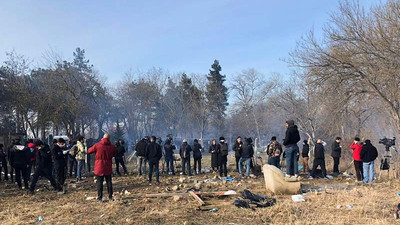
175	35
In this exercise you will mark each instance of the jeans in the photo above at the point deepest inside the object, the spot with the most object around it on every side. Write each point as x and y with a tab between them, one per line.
237	158
81	163
247	160
73	165
274	161
369	171
291	159
336	161
197	165
100	180
186	163
154	166
169	160
142	162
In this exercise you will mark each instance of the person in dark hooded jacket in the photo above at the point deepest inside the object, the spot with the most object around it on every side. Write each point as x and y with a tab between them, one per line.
3	162
336	154
44	166
58	152
153	156
292	136
246	155
140	149
169	148
184	152
197	148
237	147
19	160
319	159
368	155
304	154
223	157
119	158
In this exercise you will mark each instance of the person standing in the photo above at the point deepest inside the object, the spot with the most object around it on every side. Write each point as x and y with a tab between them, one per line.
81	151
237	147
73	164
104	152
185	156
44	166
223	157
274	151
319	159
119	159
3	162
140	149
368	156
197	148
19	160
169	148
214	155
153	156
32	161
58	152
356	146
304	154
246	155
290	142
336	154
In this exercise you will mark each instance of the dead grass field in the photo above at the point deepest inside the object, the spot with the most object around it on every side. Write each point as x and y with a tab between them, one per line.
373	204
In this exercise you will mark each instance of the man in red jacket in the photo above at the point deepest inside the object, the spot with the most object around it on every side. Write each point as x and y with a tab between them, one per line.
357	146
104	151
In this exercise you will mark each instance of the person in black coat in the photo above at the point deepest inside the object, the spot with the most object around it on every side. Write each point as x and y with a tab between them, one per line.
184	152
222	150
153	156
246	155
140	149
237	147
336	154
3	162
319	159
214	155
58	152
44	166
169	148
119	158
368	155
197	148
304	154
292	136
19	160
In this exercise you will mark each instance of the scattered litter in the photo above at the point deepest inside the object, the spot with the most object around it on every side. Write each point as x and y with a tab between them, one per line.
242	204
300	167
329	177
228	179
298	198
205	171
176	198
40	219
349	206
213	210
126	192
102	215
90	198
339	206
398	193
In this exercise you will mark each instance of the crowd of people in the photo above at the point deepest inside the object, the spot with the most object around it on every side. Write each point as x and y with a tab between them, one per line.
51	162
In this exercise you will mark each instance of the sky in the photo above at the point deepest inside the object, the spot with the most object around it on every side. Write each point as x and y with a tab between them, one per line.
179	36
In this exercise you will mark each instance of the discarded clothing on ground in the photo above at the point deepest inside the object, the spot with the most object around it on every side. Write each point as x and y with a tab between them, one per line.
259	201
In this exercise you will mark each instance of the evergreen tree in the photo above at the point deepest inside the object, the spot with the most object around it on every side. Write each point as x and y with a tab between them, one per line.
217	96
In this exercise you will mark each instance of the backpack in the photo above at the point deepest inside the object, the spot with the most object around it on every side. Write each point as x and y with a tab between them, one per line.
224	149
384	164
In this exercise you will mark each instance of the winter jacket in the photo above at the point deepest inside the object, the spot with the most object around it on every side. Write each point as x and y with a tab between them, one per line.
33	151
336	150
368	153
3	158
247	150
81	151
237	147
120	151
356	151
305	151
223	149
140	148
292	136
58	156
169	149
274	149
104	151
214	155
197	151
153	152
319	152
19	156
43	159
185	150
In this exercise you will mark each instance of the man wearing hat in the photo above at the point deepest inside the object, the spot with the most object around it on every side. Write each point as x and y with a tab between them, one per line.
223	157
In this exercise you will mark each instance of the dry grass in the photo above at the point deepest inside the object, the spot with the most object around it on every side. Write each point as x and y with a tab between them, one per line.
371	204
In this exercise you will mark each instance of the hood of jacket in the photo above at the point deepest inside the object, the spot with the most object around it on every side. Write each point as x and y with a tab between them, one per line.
105	141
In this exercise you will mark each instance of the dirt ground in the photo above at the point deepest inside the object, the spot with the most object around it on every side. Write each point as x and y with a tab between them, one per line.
338	201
